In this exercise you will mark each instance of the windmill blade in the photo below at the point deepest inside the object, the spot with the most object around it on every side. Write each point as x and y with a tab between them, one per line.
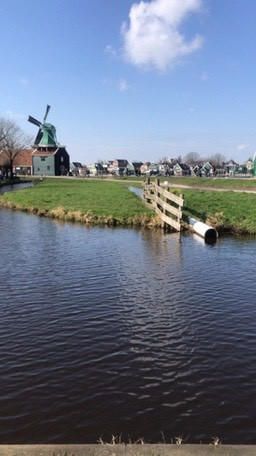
46	112
34	121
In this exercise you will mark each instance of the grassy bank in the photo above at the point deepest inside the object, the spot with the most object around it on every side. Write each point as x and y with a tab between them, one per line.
85	201
111	203
228	211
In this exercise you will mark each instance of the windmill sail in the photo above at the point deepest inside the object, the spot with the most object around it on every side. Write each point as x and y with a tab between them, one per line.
48	107
34	121
46	136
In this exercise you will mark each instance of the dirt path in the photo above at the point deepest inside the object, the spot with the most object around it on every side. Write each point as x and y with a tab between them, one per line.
135	183
210	189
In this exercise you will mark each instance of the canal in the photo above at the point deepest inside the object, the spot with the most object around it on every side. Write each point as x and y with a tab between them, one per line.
15	187
116	331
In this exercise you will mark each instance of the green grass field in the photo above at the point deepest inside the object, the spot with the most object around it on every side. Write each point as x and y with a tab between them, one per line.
227	211
81	200
102	201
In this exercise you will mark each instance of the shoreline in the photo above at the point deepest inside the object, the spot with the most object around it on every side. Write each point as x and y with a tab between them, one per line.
97	202
89	219
16	181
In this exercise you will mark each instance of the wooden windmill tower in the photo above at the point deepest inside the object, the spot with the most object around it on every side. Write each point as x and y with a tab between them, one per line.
49	158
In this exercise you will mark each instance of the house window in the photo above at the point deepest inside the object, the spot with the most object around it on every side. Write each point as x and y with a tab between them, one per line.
38	169
62	159
48	168
42	159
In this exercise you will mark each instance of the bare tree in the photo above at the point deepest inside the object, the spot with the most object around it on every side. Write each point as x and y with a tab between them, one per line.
217	159
192	158
12	142
164	160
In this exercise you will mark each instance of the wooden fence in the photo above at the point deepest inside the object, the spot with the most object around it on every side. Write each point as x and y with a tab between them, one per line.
165	203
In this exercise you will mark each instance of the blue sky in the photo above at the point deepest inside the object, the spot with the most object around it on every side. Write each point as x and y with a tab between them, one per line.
133	80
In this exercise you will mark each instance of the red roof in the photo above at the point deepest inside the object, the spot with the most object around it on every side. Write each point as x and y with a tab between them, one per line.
24	158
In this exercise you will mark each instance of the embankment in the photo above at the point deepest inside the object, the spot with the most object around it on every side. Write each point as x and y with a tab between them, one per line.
110	203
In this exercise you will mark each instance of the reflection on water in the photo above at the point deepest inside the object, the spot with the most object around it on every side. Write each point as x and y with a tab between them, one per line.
107	331
14	187
137	191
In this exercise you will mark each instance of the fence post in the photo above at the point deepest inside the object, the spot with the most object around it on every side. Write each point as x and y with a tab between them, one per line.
162	201
160	196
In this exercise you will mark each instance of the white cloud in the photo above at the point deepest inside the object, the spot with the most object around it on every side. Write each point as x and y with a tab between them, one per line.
153	38
242	146
123	85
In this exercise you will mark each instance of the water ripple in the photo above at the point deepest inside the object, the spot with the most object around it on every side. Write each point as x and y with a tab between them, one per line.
106	331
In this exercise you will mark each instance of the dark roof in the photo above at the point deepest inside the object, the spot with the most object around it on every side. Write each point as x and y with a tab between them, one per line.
232	162
121	162
137	164
184	166
77	164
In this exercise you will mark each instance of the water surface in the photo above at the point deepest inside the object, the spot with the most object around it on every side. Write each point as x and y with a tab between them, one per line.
107	331
15	187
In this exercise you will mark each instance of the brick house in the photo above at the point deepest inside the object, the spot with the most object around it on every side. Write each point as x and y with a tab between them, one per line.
22	163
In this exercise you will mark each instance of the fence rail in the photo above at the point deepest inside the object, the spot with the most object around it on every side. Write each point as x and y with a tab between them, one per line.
165	203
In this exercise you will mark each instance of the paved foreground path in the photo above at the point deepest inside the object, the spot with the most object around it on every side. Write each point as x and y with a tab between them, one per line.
127	450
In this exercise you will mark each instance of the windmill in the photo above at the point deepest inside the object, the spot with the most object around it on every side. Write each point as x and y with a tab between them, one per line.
49	158
46	136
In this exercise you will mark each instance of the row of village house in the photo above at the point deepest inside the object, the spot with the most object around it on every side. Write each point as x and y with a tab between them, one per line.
172	167
23	164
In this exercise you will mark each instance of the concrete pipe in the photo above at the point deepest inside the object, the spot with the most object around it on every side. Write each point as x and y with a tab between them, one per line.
207	232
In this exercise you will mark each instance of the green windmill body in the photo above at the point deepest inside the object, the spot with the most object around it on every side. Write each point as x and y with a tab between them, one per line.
49	157
46	136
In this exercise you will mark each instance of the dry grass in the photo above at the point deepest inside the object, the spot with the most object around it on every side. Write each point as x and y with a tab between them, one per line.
87	218
216	220
178	441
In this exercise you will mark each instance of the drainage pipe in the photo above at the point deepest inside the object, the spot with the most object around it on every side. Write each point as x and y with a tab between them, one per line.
207	232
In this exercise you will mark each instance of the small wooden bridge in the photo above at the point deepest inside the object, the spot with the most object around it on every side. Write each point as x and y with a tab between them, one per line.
165	203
